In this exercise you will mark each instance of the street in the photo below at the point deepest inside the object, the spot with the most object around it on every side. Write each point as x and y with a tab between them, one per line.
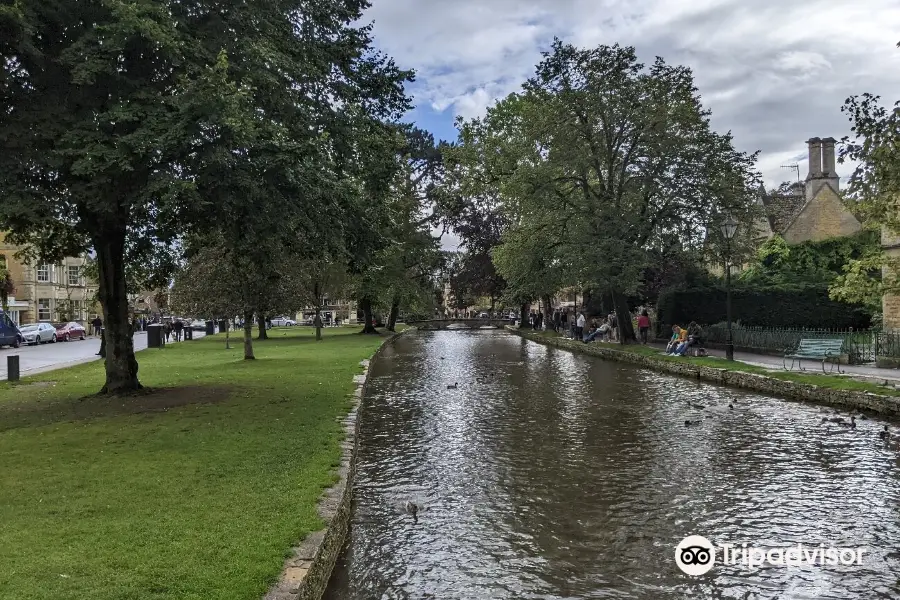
48	357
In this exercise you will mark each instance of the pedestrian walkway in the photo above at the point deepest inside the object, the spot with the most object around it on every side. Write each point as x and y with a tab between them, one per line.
767	361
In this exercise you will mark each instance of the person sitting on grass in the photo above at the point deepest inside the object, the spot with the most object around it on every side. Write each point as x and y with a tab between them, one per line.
694	332
679	335
601	332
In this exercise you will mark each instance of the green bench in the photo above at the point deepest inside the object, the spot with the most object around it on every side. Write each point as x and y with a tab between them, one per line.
816	349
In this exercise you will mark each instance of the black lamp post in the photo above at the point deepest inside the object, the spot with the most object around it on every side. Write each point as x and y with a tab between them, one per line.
729	227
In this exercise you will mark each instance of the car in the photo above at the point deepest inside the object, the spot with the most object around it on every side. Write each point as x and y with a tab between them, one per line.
198	325
483	315
9	332
68	331
283	322
39	333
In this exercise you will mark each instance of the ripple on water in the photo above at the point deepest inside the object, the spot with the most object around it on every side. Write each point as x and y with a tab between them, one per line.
547	474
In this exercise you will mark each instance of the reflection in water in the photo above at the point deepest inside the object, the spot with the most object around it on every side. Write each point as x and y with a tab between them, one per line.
552	475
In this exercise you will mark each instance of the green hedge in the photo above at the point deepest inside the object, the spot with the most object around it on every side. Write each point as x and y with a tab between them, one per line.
784	306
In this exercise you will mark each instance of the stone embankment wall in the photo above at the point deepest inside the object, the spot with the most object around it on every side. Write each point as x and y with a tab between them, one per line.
886	405
306	573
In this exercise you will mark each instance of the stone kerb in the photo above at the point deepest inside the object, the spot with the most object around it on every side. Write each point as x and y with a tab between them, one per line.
886	405
306	573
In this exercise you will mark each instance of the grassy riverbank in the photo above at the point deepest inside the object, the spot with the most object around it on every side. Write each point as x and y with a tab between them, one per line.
194	491
834	382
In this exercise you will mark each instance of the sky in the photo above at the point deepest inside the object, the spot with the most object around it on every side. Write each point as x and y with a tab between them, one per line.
774	72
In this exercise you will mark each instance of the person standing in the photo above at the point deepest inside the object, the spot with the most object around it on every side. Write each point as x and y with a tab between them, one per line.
556	320
97	324
643	323
178	326
579	327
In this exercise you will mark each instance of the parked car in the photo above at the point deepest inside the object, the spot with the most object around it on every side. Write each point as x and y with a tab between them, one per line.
198	325
68	331
283	322
39	333
483	315
9	332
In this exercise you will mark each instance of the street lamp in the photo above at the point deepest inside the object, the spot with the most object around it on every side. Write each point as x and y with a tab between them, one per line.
729	228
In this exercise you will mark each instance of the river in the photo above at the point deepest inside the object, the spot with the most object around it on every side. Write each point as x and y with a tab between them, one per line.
547	474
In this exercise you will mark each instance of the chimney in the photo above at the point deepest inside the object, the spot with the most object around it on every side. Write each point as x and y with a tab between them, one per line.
828	165
815	158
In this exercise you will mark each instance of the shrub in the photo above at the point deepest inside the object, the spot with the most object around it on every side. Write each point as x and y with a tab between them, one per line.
804	306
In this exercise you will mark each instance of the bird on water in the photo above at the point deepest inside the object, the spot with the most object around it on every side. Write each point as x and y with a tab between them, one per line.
413	509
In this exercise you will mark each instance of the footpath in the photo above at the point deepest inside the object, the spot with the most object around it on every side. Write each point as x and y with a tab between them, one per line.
776	363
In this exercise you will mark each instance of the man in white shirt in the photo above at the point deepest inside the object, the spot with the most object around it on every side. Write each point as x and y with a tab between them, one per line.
579	327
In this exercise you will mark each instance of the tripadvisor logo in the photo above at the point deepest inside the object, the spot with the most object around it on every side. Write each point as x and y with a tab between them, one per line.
695	555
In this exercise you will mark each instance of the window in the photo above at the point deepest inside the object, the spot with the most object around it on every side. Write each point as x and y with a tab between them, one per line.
43	273
77	307
43	309
74	272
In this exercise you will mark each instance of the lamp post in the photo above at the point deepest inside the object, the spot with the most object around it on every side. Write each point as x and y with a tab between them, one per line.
729	228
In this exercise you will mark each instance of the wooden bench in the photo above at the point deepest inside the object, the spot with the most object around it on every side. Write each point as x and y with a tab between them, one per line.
816	349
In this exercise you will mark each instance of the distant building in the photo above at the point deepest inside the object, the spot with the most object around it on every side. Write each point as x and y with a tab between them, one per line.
46	292
810	211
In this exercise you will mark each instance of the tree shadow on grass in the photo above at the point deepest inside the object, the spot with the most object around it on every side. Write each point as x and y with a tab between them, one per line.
34	412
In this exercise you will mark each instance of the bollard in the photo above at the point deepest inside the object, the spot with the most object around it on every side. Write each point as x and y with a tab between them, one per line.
12	367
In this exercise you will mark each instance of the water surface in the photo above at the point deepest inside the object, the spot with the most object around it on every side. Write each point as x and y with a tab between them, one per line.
558	476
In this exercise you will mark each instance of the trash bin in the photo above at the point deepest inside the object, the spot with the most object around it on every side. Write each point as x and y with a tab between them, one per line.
188	333
155	336
210	328
223	326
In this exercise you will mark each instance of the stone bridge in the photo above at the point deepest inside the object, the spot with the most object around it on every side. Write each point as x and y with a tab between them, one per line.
435	324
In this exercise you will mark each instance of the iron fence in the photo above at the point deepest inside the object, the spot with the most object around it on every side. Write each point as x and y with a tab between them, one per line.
861	346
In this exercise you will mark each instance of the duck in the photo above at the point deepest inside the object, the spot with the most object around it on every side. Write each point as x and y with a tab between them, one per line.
885	434
453	387
851	424
731	407
413	509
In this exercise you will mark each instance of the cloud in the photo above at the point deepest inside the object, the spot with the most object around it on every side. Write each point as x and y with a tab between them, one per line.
774	73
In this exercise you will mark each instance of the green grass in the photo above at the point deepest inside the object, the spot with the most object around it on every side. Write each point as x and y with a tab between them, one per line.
837	382
194	492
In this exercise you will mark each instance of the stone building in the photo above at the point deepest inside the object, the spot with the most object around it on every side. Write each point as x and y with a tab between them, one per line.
47	292
812	210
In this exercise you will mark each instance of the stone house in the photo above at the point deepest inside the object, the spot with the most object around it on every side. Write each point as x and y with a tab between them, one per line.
812	210
46	292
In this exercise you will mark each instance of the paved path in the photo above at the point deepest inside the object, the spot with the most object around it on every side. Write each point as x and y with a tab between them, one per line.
48	357
775	362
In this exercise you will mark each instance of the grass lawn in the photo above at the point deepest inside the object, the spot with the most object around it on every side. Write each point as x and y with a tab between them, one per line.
838	382
195	491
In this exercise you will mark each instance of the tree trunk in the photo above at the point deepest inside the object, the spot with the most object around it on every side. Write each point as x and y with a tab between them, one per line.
121	365
318	322
623	320
493	303
261	323
548	311
366	306
395	312
523	315
248	336
227	345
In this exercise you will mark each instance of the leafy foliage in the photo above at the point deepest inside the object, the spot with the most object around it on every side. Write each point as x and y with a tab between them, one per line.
606	159
776	262
806	306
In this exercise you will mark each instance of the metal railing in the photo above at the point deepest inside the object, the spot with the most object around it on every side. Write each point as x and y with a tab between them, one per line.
861	346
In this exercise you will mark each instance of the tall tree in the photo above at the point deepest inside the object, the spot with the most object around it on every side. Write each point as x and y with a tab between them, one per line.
114	121
610	155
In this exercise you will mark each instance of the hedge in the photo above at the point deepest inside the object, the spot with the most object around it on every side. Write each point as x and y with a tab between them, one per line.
785	306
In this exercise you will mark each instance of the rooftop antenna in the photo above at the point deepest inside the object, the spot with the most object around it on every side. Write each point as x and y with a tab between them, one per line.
794	167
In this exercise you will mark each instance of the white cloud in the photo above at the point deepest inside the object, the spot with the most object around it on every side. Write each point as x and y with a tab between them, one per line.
773	72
